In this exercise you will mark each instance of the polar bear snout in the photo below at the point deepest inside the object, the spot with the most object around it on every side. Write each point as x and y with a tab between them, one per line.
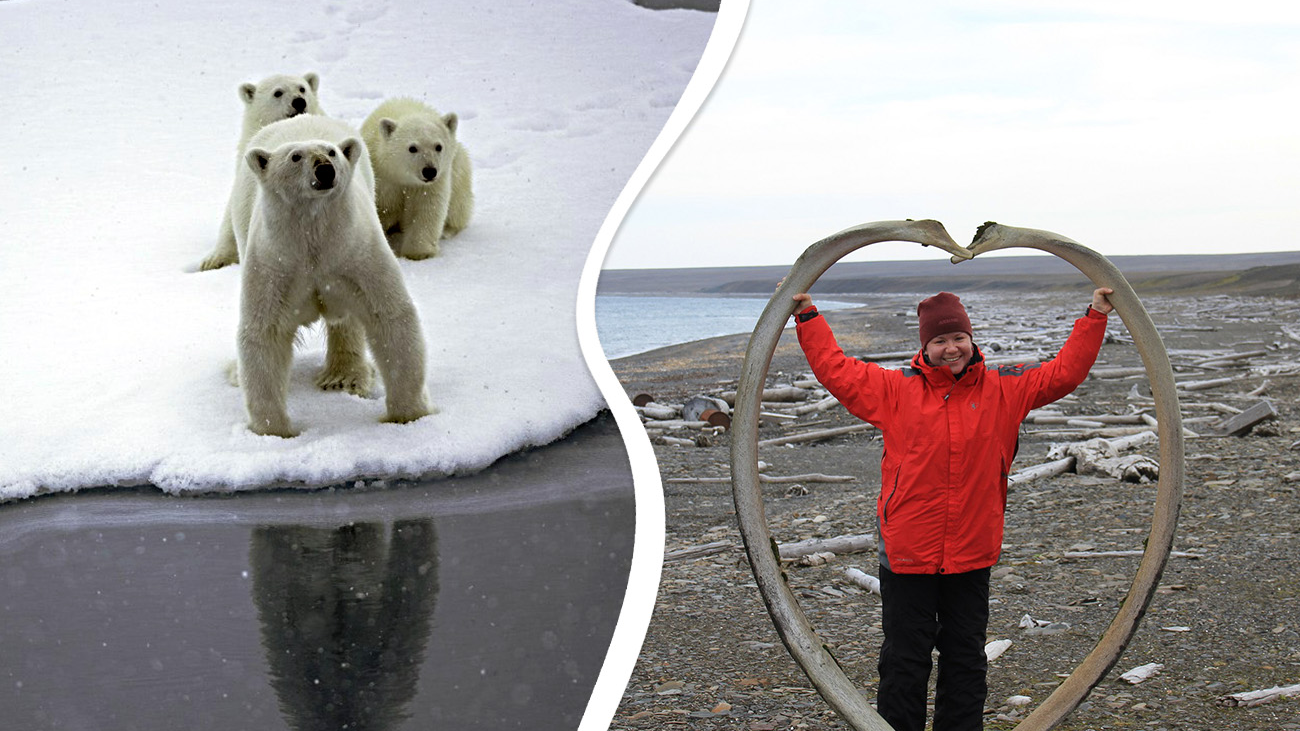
323	175
299	105
429	173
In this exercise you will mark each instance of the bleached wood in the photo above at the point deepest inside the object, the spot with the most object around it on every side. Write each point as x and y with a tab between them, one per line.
994	649
1212	383
1037	472
1230	359
1259	697
1100	456
829	402
1239	424
838	545
1142	672
1135	440
776	394
863	579
669	424
708	549
810	477
1259	390
653	410
1099	418
675	441
815	436
1122	554
1081	434
1116	372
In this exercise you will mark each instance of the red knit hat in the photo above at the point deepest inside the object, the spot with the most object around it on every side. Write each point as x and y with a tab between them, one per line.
942	313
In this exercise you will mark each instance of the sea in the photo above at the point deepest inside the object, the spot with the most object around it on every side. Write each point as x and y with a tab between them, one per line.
631	324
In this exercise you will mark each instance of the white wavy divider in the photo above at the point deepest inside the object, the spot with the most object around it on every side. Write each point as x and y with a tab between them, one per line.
648	549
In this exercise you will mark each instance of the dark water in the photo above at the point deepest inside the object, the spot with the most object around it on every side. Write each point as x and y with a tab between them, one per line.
484	602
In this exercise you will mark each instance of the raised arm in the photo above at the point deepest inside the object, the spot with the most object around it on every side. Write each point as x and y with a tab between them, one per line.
862	387
1061	375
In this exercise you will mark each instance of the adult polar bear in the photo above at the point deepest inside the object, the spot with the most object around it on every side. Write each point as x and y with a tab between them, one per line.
274	98
422	175
305	225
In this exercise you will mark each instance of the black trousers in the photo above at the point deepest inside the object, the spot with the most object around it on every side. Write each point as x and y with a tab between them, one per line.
923	612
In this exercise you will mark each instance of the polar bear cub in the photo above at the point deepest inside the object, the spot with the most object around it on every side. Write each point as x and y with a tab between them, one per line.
422	175
270	100
304	221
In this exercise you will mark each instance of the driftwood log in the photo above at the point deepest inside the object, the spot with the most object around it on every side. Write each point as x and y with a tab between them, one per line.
825	404
1122	554
809	477
675	441
994	649
675	424
1142	672
863	579
788	551
791	623
814	436
1037	472
776	394
653	410
1102	457
1239	424
708	549
1258	697
836	545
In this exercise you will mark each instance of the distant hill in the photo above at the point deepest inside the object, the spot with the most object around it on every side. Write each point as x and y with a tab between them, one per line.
1272	274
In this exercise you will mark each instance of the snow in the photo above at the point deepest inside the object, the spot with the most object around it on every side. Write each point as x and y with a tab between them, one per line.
120	123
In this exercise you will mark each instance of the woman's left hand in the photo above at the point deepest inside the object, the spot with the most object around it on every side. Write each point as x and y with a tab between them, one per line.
1099	301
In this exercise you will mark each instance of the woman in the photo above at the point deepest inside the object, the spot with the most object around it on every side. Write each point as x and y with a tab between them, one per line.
951	428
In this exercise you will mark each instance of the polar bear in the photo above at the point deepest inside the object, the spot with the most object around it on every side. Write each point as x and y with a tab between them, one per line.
307	233
270	100
422	175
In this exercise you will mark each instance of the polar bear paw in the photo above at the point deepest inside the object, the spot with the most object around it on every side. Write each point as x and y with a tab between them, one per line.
272	427
409	414
357	378
417	250
218	260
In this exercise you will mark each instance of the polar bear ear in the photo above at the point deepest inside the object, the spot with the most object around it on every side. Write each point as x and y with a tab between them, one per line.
258	160
247	92
312	80
388	127
451	120
351	149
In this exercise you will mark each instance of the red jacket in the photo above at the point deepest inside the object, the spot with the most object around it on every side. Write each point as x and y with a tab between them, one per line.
948	442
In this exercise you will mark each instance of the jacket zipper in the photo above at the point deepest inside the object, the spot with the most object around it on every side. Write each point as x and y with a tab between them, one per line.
884	512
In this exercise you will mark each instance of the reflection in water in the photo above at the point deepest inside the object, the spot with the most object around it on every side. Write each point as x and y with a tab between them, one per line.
134	611
346	613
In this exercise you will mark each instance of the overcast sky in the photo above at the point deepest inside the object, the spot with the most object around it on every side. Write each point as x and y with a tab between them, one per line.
1131	126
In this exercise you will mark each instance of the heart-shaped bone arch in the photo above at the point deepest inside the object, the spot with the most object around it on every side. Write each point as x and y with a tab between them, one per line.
795	630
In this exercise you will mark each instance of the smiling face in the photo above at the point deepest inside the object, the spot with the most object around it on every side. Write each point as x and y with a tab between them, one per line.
953	350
